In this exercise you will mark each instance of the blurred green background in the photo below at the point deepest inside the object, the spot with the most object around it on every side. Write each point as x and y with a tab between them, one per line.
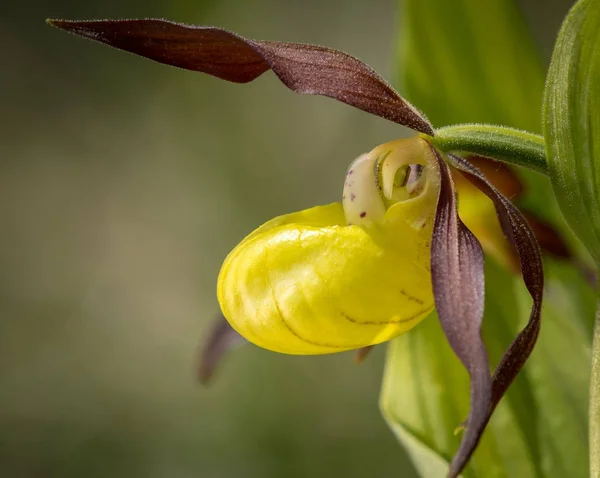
123	185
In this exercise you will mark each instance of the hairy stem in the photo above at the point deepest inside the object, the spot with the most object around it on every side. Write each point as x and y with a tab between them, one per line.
509	145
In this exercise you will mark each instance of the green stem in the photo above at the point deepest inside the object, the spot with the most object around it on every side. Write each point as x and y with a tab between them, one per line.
505	144
594	412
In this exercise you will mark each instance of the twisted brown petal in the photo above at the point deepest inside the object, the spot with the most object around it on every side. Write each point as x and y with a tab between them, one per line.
518	231
222	339
458	285
307	69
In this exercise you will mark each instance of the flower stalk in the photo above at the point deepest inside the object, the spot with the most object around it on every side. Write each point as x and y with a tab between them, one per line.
510	145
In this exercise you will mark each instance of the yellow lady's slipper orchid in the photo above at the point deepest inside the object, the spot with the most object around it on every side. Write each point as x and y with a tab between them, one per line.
334	278
350	275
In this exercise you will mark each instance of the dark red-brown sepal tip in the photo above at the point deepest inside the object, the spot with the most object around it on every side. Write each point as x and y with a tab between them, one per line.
221	339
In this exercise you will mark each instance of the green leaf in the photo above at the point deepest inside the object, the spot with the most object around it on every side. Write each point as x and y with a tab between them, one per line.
464	62
425	397
475	62
572	124
572	134
559	372
540	428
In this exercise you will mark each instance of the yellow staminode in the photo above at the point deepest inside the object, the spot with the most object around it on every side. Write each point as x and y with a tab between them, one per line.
311	283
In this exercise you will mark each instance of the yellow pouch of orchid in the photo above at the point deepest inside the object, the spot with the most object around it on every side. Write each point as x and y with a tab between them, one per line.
310	283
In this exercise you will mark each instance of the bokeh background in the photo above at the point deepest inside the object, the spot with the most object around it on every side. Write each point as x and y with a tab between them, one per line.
123	185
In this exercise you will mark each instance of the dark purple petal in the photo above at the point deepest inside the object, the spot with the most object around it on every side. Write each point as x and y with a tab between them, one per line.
307	69
458	286
222	339
519	233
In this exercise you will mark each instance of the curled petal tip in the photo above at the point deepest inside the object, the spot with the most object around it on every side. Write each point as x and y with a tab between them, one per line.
221	339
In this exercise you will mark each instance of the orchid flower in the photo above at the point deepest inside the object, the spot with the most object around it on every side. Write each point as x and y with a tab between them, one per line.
362	271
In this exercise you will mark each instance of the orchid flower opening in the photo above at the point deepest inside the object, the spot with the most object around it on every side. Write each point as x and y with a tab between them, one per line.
361	271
